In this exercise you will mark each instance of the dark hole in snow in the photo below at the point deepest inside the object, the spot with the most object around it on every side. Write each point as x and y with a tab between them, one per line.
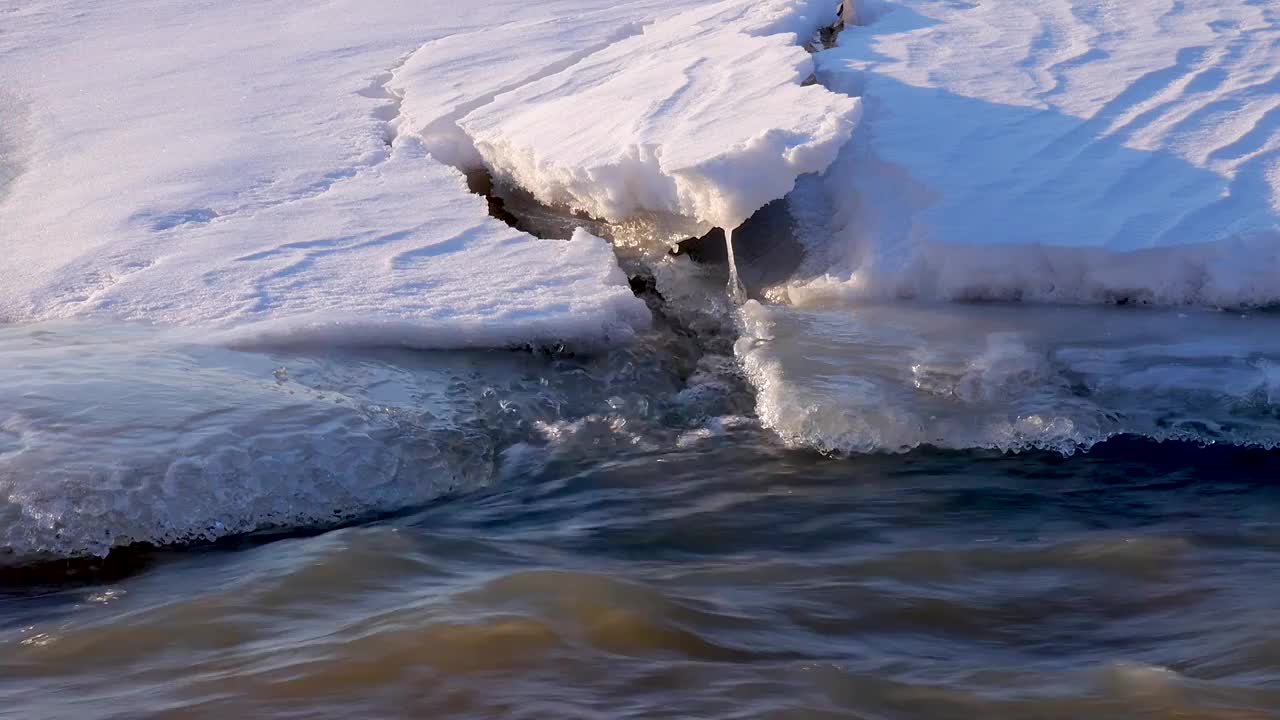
767	249
519	209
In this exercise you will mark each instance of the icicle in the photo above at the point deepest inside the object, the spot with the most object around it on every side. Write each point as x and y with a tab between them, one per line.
737	293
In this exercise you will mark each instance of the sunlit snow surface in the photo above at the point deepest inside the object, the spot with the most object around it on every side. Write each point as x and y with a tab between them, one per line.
219	165
1056	151
702	116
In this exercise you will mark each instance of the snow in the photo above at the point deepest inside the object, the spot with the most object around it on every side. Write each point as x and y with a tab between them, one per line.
702	116
401	255
1054	151
229	165
283	173
449	77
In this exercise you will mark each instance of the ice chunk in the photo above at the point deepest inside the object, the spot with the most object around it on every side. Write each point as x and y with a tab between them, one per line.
703	116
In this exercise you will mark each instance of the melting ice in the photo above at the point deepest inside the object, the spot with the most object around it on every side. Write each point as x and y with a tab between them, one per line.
894	376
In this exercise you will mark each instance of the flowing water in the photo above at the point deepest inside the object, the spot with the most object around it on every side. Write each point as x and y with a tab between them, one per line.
302	533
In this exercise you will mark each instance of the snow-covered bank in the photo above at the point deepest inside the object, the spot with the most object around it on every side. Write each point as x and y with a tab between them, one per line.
1054	151
221	165
402	254
285	173
448	77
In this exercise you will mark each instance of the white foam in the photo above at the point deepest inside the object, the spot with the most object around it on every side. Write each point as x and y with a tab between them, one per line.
893	377
1058	152
702	116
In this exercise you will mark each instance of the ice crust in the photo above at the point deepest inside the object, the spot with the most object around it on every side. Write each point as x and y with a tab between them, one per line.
114	435
702	116
893	377
1054	151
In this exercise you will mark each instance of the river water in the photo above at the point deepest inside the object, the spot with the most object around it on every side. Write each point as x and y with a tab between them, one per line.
311	533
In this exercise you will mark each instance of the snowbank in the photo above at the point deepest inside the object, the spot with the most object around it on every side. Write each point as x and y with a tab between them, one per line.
449	77
893	377
1053	151
401	254
222	165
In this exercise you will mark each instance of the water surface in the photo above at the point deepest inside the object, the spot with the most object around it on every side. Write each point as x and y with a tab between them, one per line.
615	536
